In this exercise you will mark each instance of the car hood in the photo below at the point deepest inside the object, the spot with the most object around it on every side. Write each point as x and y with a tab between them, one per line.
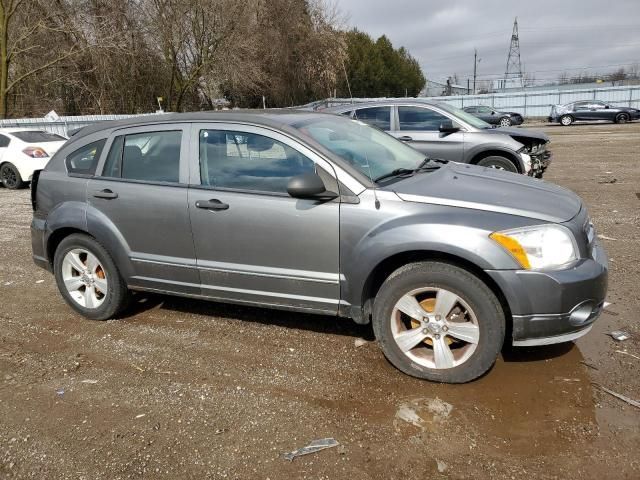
482	188
519	132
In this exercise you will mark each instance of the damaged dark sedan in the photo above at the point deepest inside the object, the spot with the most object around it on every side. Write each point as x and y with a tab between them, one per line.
442	131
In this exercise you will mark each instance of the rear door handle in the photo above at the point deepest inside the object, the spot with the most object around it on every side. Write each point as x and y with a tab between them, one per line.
213	204
106	193
405	139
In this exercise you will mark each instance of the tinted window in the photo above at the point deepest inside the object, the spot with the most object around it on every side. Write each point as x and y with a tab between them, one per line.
347	114
4	141
149	156
377	116
418	118
484	110
37	136
471	109
247	161
84	160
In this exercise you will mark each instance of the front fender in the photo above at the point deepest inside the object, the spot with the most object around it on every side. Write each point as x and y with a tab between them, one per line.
433	236
475	152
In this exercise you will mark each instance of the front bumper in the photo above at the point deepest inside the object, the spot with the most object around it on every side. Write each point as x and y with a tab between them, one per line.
554	306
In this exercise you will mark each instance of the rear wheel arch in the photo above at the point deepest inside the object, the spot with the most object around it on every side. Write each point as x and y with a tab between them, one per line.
386	267
58	236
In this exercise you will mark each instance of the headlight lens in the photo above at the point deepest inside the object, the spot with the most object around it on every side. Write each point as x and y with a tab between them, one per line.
535	248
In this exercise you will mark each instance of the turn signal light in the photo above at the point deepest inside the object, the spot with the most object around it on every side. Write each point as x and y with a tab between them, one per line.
513	247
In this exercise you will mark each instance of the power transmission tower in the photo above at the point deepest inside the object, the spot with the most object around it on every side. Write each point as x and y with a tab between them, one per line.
513	73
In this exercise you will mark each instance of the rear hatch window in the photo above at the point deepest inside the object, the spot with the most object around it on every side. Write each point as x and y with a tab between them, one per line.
37	136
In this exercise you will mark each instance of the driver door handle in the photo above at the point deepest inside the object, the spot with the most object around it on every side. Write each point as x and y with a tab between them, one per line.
405	138
106	194
213	204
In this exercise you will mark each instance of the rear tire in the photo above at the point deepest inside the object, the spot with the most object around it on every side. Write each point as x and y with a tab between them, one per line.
10	177
473	311
499	163
88	279
566	120
621	118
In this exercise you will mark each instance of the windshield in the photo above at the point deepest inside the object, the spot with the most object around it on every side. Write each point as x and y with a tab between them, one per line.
464	116
37	136
367	149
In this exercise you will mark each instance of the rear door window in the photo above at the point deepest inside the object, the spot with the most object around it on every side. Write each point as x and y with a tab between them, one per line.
420	119
149	156
377	116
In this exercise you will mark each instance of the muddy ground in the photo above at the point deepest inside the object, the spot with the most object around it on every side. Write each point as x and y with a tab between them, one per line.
190	389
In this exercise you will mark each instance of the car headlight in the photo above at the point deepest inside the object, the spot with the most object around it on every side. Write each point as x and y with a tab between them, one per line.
539	247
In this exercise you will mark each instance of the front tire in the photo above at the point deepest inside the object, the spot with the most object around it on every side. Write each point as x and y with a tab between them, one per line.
505	122
10	177
438	322
566	120
88	278
499	163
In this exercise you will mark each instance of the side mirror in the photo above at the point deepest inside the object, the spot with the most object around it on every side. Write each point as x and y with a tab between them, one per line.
448	127
606	106
309	185
493	112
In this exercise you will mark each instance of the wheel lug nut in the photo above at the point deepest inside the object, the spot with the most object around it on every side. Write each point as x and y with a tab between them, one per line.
438	317
426	320
425	331
445	328
437	337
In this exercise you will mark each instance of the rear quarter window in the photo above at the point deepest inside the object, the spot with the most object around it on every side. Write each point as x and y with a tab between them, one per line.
84	160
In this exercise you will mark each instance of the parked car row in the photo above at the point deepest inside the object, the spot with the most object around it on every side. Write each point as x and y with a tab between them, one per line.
23	151
439	130
325	214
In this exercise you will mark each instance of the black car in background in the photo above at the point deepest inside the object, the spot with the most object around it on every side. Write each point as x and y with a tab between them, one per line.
591	110
495	117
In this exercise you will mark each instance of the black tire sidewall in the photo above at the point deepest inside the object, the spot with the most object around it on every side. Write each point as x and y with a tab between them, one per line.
116	292
19	181
504	162
622	118
475	293
566	116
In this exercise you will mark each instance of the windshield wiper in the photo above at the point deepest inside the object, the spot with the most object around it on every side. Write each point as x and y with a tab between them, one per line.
423	167
395	173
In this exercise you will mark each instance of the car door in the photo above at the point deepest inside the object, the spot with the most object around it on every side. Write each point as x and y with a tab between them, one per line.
4	144
583	111
602	111
420	127
141	196
254	243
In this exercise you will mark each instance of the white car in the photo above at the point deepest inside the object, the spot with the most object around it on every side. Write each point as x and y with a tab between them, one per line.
23	151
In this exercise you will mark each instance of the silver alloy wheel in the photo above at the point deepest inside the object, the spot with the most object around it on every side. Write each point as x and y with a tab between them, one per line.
444	336
505	122
84	278
566	120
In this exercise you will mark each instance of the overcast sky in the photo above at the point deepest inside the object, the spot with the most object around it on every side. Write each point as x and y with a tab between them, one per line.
555	35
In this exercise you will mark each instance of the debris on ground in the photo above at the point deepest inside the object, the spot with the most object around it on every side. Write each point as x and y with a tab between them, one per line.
90	381
60	392
627	353
624	398
6	284
619	335
313	447
358	342
442	467
606	179
604	237
219	431
423	411
141	415
39	281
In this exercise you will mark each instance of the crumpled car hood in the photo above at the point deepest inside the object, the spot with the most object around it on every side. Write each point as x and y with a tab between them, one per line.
488	189
519	132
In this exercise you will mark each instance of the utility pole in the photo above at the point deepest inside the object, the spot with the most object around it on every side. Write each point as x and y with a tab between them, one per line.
475	67
514	66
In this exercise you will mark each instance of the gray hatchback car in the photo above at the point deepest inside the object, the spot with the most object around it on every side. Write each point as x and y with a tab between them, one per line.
323	214
440	130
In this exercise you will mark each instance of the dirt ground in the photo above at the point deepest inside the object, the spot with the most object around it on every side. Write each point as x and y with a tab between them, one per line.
190	389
